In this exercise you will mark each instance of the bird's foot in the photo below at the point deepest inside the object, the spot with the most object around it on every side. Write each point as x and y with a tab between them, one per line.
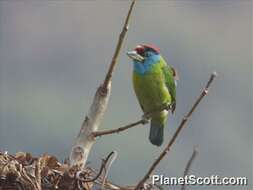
168	106
144	119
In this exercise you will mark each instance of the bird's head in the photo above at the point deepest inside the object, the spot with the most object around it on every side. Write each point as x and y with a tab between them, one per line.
144	56
143	53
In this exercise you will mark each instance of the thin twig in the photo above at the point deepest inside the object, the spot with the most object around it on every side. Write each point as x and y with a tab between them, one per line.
118	48
120	129
104	162
188	165
143	121
108	167
181	126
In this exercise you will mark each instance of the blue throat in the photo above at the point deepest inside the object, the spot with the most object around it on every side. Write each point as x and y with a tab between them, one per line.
143	68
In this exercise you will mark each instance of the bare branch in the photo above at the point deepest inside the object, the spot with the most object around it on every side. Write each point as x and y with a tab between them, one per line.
118	47
120	129
188	165
103	166
181	126
83	143
107	168
142	121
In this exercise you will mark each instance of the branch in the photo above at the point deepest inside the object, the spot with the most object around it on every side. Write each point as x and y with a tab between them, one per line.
83	143
118	47
81	176
110	162
144	120
181	126
120	129
188	165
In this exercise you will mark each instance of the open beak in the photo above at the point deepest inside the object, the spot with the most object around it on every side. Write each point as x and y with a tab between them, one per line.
135	56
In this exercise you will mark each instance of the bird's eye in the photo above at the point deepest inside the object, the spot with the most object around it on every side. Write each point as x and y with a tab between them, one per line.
140	50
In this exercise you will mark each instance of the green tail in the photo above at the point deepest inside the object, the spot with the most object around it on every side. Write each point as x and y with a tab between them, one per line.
156	133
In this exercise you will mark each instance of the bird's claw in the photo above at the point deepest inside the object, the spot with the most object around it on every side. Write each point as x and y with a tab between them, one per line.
144	119
168	107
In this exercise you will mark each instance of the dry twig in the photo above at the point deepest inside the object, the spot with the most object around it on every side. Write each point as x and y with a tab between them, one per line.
26	172
120	129
142	121
118	47
188	165
103	166
181	126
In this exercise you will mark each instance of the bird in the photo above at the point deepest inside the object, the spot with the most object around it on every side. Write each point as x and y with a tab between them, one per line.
154	83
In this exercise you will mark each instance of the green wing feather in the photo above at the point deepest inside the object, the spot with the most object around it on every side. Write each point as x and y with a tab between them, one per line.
169	75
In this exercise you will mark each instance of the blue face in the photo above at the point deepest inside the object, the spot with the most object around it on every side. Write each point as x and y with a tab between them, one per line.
150	58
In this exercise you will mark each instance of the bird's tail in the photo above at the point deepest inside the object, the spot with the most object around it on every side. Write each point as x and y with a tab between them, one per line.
156	132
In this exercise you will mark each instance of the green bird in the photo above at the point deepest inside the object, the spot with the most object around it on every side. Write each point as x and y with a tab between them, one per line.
154	84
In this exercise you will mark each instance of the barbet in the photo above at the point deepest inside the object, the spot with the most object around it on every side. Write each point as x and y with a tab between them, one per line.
154	84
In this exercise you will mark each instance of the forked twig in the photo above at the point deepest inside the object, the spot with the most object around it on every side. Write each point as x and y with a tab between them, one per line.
108	167
83	143
103	165
81	177
181	126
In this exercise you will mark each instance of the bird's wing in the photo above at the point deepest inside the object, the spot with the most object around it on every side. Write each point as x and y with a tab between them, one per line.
170	77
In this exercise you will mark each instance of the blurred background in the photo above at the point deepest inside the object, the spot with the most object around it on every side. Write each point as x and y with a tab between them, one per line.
54	54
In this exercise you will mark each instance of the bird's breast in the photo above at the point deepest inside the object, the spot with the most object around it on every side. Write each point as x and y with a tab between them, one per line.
151	90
